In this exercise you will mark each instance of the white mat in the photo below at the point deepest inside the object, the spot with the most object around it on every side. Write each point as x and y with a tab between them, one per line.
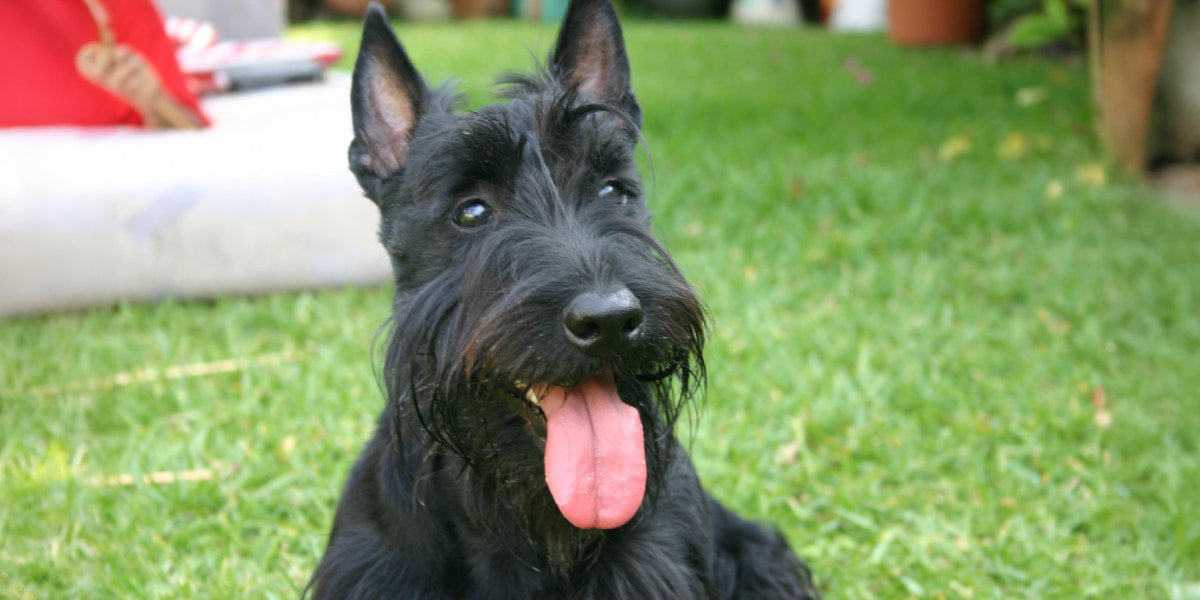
261	201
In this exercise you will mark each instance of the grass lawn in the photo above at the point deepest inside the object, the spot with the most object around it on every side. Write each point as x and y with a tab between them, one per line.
953	356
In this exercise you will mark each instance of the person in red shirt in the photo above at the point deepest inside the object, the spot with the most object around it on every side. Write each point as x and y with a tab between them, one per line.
91	62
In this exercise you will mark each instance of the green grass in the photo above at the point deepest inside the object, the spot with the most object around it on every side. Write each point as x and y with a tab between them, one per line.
918	285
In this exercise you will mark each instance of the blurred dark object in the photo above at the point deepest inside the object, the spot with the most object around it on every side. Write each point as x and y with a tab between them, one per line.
681	9
812	11
1175	121
347	8
299	11
1007	11
413	10
232	66
936	22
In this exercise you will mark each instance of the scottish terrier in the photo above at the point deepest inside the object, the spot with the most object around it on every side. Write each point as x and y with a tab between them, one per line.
543	346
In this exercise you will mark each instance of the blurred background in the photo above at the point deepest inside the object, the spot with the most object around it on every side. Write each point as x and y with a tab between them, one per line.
950	250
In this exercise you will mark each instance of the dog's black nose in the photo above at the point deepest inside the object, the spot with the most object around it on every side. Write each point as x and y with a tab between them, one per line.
605	322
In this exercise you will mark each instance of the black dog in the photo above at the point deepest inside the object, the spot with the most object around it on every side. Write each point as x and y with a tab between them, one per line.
543	346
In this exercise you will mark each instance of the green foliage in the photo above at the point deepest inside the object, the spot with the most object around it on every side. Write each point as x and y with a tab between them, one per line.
952	355
1057	20
1006	10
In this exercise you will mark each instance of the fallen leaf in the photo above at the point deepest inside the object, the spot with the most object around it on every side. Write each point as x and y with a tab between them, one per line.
1054	189
1014	146
953	148
796	188
1031	96
861	74
1103	418
153	374
1092	174
775	56
786	455
157	478
962	590
1051	322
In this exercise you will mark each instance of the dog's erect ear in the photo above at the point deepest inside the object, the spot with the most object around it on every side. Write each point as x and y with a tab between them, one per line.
386	98
590	55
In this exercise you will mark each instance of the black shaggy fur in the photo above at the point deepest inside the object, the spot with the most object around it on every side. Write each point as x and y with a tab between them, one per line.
495	221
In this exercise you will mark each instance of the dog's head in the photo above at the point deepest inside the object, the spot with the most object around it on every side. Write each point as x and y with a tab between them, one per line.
540	328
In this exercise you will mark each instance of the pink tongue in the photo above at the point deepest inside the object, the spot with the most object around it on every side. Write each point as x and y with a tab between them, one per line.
595	458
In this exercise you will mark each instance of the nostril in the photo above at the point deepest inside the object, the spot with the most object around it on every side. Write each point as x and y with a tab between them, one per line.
632	323
582	327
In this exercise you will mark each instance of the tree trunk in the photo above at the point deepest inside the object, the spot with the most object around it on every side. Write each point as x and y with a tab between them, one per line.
1127	38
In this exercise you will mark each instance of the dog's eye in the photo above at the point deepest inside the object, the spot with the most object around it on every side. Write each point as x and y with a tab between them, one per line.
614	191
471	214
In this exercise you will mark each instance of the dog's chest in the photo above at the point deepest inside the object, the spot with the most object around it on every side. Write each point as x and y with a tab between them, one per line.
634	565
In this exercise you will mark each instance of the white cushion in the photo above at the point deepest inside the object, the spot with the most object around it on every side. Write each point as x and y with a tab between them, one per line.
261	201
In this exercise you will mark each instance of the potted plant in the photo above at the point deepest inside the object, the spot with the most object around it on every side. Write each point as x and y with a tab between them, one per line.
347	8
936	22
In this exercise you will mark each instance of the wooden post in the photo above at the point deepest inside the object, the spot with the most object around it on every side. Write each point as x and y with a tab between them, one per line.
1130	36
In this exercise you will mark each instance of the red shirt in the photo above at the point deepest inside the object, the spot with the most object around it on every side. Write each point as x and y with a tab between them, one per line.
38	43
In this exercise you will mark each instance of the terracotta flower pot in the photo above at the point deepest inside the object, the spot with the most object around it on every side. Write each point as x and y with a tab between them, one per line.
475	9
936	22
347	8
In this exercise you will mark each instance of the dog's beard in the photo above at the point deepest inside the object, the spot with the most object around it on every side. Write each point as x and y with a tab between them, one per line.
488	420
599	431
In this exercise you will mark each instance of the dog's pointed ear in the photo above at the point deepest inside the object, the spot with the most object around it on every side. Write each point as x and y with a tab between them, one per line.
590	56
386	98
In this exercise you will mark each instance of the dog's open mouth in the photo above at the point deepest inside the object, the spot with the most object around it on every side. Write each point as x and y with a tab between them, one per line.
595	455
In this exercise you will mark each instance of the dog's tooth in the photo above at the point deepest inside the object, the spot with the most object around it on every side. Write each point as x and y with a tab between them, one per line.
532	397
